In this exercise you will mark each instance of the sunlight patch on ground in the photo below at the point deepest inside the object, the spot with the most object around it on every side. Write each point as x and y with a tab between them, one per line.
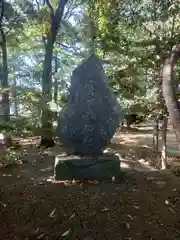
145	146
145	165
125	165
6	175
1	136
48	169
132	137
145	128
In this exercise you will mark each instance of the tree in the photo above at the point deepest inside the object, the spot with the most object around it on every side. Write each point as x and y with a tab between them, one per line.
169	90
26	52
135	37
4	77
56	17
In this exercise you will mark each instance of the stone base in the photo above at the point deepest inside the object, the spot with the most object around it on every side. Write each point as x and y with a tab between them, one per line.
104	167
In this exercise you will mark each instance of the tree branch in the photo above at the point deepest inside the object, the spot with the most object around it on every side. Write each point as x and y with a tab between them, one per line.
173	26
63	45
68	9
12	21
151	33
57	18
2	11
50	7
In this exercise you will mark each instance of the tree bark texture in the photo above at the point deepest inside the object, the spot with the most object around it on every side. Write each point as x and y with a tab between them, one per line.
169	91
47	128
5	103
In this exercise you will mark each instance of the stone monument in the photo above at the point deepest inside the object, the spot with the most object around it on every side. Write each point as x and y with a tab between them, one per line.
87	123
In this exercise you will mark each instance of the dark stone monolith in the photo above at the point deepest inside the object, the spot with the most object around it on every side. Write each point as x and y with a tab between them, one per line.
90	118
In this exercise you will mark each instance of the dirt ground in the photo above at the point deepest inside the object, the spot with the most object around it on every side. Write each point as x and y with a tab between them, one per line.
145	204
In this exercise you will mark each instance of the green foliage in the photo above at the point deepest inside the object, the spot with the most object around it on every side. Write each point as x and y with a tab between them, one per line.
21	126
135	38
12	158
132	37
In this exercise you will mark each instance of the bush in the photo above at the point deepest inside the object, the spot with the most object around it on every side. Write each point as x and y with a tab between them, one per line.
11	158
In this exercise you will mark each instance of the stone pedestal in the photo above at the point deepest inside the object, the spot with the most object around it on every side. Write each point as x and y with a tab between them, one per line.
104	167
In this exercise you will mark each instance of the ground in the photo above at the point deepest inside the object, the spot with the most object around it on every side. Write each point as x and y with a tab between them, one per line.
145	204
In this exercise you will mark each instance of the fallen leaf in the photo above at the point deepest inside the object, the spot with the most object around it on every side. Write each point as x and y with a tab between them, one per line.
149	178
113	179
49	180
66	183
105	209
130	217
53	214
3	204
40	236
127	225
41	183
37	230
66	233
172	210
136	207
72	216
106	151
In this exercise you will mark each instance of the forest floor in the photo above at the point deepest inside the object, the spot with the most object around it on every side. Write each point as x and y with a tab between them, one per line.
145	204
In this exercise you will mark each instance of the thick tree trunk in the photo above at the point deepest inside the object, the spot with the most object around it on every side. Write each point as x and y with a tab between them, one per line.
5	87
47	128
169	91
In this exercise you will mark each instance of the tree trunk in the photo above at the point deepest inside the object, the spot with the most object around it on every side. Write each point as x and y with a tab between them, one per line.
169	91
164	144
5	86
156	135
47	128
55	78
16	110
55	96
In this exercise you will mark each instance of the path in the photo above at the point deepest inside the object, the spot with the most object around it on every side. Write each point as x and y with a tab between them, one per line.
144	205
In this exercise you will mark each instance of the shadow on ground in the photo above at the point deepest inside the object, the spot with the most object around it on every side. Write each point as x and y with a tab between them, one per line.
145	204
